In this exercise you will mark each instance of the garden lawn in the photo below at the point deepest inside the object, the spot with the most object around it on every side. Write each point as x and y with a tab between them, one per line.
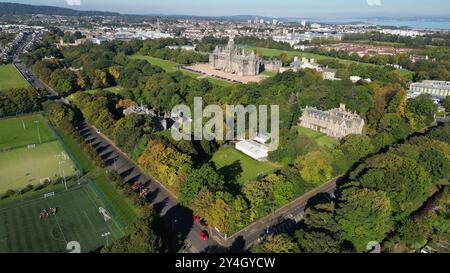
226	157
170	66
320	138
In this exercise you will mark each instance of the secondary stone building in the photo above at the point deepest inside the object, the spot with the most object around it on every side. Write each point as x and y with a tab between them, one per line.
336	122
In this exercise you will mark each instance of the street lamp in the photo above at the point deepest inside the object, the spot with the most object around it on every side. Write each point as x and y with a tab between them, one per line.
106	235
61	170
39	132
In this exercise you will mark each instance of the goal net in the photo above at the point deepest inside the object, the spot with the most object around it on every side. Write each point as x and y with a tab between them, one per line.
31	146
105	214
50	194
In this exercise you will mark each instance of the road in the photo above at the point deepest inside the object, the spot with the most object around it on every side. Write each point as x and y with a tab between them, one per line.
178	219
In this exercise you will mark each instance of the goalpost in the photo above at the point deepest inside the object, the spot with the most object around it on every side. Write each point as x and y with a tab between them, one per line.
31	146
50	194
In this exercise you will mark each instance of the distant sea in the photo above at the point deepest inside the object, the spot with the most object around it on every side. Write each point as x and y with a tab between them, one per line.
429	23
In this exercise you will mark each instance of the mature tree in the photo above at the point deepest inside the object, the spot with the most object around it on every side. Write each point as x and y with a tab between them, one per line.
260	195
446	104
403	179
317	242
364	216
202	202
315	167
59	114
219	215
412	233
283	189
277	244
140	237
63	81
423	109
207	176
166	164
357	146
395	126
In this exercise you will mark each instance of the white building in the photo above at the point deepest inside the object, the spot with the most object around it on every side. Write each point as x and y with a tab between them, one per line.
437	89
256	148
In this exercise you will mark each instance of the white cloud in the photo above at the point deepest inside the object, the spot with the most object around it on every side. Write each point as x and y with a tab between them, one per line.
374	2
73	2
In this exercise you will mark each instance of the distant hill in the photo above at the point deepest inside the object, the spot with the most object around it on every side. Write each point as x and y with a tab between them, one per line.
22	9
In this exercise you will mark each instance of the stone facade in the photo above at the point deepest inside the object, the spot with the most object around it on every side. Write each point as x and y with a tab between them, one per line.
231	59
336	122
273	65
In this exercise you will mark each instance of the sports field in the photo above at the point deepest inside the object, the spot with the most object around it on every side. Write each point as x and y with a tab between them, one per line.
30	153
24	130
22	230
10	77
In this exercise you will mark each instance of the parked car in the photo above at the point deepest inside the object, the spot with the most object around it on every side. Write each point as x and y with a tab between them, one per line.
196	218
136	186
144	192
204	235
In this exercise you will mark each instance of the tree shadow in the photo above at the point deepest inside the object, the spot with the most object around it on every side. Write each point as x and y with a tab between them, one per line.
238	245
232	173
179	221
320	198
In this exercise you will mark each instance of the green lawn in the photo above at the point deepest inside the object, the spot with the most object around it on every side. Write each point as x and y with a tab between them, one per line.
76	151
251	169
23	130
22	166
269	52
321	139
11	78
170	66
120	204
77	219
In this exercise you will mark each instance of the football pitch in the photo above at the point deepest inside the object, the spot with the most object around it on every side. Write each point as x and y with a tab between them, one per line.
10	77
30	153
77	218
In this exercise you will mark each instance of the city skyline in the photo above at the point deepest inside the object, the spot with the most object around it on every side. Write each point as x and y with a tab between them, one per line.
281	8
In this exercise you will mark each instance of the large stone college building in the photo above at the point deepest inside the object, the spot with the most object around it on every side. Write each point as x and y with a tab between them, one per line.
234	60
336	122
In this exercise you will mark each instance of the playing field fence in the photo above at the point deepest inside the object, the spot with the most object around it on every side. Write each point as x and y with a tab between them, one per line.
7	204
105	202
67	149
25	145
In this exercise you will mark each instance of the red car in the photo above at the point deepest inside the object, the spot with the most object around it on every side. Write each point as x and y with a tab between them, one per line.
196	218
204	235
136	185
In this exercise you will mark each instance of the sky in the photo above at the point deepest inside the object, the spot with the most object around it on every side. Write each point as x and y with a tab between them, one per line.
273	8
